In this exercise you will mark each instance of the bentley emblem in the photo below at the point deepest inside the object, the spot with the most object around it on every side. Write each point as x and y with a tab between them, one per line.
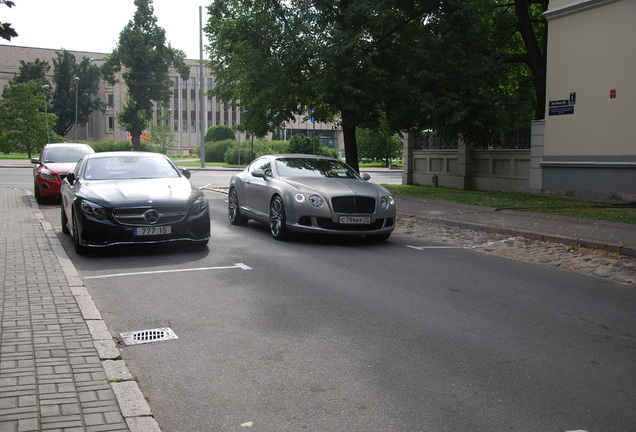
151	216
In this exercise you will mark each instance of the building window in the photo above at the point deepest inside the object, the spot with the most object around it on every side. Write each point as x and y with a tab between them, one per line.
111	100
111	123
184	121
193	89
193	119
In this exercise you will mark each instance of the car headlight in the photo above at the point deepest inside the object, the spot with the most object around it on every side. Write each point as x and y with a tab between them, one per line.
316	201
200	204
46	175
386	202
93	210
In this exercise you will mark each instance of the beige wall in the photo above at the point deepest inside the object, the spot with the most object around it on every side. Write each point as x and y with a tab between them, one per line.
592	51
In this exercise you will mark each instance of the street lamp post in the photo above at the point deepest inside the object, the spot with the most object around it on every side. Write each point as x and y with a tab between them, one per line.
76	79
46	112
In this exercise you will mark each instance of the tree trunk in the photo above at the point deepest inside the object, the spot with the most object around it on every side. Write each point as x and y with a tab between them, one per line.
350	144
535	59
135	137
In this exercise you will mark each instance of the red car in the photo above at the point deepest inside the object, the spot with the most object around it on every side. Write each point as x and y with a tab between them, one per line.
55	161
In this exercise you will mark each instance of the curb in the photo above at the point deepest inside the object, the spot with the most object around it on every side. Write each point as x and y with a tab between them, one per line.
531	235
133	405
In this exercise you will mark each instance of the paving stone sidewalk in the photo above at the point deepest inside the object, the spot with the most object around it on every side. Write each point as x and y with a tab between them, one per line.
59	367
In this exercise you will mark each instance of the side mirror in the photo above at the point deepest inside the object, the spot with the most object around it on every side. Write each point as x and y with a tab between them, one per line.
186	172
35	160
258	173
365	176
70	177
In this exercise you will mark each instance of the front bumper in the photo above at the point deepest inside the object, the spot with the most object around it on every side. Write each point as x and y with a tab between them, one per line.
95	232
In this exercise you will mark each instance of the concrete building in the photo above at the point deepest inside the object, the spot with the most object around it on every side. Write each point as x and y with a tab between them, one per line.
184	110
589	145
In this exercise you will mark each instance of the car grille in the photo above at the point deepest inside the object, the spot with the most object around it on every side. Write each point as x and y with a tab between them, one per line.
353	204
146	216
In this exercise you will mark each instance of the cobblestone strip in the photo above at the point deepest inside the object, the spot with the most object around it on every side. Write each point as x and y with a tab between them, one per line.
592	262
51	377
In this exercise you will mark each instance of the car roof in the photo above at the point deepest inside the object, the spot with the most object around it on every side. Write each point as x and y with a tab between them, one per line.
126	153
299	155
67	145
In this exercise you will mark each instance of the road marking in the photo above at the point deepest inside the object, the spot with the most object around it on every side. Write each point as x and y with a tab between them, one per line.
437	247
490	243
236	265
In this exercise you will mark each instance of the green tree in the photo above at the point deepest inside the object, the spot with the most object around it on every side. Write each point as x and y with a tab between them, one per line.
65	72
280	59
161	133
145	59
30	71
219	133
6	31
461	68
23	124
379	144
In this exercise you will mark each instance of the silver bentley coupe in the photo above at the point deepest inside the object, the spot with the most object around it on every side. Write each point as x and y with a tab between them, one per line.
310	194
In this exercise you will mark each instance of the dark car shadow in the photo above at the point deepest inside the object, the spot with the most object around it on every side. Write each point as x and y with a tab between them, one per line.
343	240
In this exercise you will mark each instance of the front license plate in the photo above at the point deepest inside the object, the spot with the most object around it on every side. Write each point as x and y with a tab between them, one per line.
355	219
149	231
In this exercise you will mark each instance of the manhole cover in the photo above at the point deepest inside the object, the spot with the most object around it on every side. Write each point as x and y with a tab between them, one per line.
147	336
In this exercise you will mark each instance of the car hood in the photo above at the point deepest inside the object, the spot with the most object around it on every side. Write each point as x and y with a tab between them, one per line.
335	186
145	191
59	168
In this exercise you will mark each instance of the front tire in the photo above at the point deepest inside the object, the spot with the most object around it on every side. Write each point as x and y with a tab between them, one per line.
234	209
277	219
38	196
79	249
64	220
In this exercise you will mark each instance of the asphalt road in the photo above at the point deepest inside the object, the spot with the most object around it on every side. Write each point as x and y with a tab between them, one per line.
337	334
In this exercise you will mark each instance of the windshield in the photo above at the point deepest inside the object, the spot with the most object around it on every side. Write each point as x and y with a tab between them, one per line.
129	167
65	154
308	167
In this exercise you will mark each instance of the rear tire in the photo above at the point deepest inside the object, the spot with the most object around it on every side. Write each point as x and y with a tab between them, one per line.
278	219
234	209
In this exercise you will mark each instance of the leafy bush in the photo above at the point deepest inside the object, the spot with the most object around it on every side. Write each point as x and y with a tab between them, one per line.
215	150
231	156
219	133
112	145
306	145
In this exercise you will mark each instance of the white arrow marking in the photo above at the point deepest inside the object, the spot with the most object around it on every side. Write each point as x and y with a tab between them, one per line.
236	265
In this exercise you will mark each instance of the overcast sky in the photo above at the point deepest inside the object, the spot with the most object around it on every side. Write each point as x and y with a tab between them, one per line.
94	26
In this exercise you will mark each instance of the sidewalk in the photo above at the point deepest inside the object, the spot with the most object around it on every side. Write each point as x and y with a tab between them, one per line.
570	231
59	367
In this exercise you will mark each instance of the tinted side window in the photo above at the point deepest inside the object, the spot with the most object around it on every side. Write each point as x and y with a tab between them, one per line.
263	164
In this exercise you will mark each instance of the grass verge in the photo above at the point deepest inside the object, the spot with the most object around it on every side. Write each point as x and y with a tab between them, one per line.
623	213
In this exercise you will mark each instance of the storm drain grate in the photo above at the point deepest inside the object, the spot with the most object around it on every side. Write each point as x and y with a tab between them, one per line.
147	336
